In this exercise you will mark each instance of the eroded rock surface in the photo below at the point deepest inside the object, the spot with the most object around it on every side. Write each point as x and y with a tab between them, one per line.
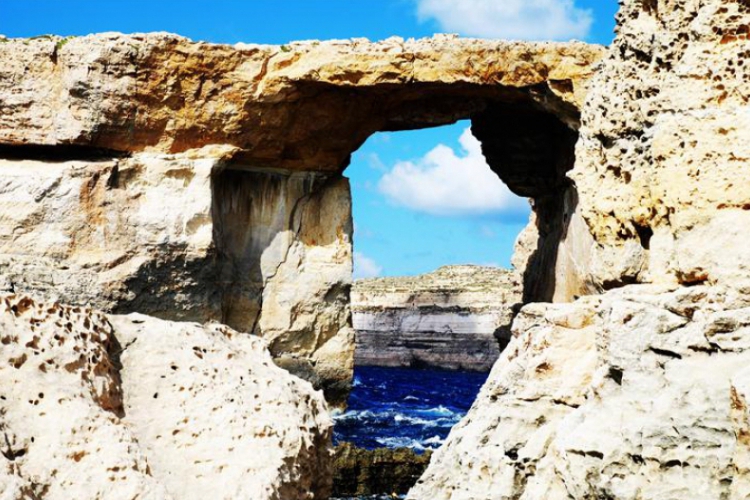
179	237
661	170
457	317
638	393
191	181
132	407
304	106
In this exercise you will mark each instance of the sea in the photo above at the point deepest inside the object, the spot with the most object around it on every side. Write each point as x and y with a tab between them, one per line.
404	407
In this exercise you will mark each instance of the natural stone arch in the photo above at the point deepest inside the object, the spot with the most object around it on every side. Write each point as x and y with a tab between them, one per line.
264	133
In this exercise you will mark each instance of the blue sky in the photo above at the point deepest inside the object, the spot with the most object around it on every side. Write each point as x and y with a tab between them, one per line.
407	220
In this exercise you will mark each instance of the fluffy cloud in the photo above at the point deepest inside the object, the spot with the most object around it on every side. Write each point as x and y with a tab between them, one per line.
445	183
510	19
365	267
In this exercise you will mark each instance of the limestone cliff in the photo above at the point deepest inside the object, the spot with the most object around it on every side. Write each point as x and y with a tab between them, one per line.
191	181
457	317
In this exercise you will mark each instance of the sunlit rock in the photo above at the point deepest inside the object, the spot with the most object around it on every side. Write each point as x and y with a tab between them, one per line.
457	317
123	407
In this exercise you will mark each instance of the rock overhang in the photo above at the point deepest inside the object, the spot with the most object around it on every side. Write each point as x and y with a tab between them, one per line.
302	106
214	172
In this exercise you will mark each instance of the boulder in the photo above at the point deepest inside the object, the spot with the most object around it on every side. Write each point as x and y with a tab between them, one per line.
124	407
637	393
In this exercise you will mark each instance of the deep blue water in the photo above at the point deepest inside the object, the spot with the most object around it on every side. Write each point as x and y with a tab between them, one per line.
403	407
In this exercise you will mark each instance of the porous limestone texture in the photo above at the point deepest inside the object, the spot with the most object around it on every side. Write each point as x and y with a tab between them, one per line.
457	317
191	181
216	418
661	168
132	407
638	393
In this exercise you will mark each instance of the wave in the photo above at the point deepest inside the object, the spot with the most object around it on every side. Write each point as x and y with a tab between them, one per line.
415	444
400	442
439	412
431	417
354	415
434	440
400	418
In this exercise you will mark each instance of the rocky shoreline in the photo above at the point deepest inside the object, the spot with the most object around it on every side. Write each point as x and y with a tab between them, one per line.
384	471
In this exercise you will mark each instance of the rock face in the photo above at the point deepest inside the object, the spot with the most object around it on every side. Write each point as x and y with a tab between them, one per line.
199	182
457	317
640	391
179	237
162	410
660	171
383	471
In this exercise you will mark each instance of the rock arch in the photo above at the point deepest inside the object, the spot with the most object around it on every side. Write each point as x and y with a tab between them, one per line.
204	182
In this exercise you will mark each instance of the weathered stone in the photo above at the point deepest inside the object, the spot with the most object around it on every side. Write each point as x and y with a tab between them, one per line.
383	471
190	181
216	418
304	106
150	409
61	435
623	395
179	237
639	392
660	175
457	317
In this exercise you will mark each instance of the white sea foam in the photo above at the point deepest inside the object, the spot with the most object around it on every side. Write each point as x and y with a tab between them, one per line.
400	442
400	418
434	440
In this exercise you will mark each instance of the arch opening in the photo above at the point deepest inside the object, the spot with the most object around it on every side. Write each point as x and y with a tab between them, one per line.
284	235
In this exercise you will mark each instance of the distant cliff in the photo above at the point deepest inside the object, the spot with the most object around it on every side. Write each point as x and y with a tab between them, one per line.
457	317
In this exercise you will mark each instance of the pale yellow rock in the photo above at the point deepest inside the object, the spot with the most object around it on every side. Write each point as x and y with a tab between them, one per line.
626	395
173	236
217	418
666	157
150	409
283	106
61	436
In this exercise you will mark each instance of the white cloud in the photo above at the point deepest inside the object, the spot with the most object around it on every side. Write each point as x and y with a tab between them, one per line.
375	162
509	19
445	183
365	267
